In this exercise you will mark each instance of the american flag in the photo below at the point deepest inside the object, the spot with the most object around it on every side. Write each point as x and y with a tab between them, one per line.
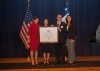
24	30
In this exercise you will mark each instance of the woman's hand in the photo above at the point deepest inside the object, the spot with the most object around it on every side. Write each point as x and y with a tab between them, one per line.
52	25
72	40
28	39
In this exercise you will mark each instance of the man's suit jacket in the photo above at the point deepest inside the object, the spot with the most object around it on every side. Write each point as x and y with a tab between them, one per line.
61	33
71	31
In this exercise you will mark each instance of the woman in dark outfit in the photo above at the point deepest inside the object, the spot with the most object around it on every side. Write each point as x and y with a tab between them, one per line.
46	47
70	41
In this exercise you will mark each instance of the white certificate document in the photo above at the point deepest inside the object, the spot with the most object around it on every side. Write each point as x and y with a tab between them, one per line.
48	34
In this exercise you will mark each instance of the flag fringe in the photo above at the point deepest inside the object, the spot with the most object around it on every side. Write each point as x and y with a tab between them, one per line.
24	42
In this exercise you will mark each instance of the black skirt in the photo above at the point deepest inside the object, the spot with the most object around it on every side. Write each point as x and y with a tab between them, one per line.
46	48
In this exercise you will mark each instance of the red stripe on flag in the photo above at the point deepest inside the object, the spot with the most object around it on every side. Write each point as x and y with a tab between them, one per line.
23	34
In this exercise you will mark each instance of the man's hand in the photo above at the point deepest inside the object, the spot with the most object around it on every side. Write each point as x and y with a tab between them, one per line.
59	29
72	40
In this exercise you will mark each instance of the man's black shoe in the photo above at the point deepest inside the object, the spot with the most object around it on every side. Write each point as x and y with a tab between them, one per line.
57	62
63	62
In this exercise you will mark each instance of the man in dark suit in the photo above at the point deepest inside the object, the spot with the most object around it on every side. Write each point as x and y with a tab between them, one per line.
60	47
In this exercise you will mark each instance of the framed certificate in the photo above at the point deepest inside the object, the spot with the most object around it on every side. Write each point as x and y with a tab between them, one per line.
48	34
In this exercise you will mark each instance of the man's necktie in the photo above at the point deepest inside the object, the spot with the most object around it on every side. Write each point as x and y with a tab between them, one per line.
58	24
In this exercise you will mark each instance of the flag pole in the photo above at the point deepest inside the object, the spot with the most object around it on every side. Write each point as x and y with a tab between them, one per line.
65	43
28	58
65	53
28	3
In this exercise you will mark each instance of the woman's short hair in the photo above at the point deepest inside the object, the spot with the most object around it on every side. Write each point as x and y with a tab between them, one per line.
35	17
45	19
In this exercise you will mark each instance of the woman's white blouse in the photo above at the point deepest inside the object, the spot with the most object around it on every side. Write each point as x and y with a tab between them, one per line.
67	28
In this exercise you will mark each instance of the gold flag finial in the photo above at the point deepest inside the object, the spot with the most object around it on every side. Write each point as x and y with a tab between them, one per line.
28	3
67	2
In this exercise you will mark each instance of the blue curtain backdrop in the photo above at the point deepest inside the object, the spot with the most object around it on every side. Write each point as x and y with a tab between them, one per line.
85	13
